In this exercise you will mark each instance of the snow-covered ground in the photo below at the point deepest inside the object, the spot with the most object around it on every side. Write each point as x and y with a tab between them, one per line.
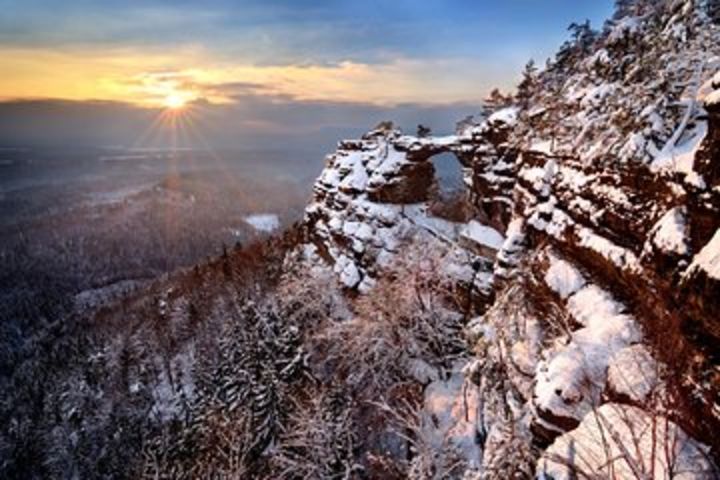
263	222
117	196
451	416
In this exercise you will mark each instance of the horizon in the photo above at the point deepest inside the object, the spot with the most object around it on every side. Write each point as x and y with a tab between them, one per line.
248	72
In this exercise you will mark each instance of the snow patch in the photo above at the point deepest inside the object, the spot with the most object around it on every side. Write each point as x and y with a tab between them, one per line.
619	256
450	416
633	372
483	235
506	115
347	270
263	222
542	146
712	98
563	278
680	157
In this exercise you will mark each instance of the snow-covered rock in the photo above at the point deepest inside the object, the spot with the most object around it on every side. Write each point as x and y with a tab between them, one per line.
670	233
371	197
572	377
608	162
633	373
708	259
563	277
620	441
488	240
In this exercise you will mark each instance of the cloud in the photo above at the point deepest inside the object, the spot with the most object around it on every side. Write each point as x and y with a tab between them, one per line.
146	77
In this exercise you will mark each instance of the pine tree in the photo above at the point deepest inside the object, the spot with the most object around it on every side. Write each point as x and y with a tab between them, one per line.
423	131
526	88
266	410
624	8
497	100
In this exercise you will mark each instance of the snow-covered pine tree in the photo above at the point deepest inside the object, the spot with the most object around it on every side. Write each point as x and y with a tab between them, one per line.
526	87
624	8
266	410
495	101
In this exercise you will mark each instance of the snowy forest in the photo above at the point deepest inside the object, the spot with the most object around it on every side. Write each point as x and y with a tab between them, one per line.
554	316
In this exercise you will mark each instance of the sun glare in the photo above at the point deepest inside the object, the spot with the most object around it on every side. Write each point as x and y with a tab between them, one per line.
174	101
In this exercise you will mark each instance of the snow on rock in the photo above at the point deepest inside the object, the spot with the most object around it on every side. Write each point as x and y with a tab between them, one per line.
563	278
633	372
356	178
540	178
419	216
670	233
263	222
573	375
483	235
542	146
708	260
372	197
388	162
595	95
680	157
713	98
509	254
506	115
621	257
602	56
621	441
625	27
347	270
458	265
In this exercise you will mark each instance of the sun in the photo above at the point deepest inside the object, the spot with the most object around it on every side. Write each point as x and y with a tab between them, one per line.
174	101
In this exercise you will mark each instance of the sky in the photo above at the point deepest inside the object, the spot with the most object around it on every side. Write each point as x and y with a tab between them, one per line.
305	66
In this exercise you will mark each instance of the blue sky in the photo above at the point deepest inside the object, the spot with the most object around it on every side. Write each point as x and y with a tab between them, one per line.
305	31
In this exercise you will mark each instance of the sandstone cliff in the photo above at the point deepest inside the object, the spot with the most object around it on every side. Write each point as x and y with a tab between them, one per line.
592	249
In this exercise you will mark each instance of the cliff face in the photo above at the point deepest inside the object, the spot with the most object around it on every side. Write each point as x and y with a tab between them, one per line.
594	200
374	192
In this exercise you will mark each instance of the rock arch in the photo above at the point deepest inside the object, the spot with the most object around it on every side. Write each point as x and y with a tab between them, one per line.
449	197
372	188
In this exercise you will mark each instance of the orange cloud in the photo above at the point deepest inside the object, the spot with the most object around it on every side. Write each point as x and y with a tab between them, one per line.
149	77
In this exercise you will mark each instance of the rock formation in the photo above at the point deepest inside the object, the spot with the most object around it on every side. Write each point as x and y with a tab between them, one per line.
595	200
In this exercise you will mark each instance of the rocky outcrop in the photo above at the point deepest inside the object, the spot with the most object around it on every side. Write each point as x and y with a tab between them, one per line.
600	193
373	194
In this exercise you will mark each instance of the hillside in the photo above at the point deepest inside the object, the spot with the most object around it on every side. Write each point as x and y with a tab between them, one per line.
591	250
